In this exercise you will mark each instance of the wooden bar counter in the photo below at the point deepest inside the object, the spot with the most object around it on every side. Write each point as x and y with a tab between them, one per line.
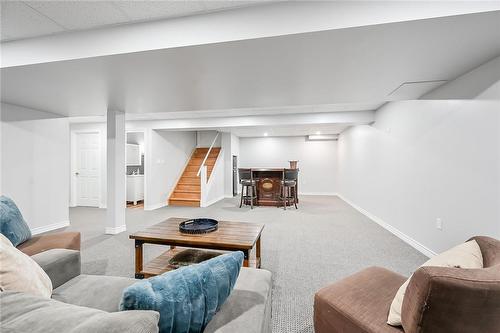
268	186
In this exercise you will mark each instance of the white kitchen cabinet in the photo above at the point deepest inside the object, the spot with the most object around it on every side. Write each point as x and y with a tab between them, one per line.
135	188
133	154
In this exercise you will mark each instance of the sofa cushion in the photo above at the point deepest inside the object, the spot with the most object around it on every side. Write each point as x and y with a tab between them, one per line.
94	291
188	297
358	303
61	265
466	255
28	313
18	272
12	224
249	302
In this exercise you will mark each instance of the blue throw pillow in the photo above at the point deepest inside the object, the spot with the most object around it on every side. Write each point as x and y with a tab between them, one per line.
12	224
188	297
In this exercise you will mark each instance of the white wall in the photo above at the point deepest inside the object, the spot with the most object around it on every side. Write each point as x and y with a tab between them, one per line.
423	160
213	190
204	139
136	138
165	160
317	160
35	166
231	147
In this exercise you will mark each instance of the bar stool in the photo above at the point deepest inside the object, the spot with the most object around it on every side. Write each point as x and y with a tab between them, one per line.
289	187
247	182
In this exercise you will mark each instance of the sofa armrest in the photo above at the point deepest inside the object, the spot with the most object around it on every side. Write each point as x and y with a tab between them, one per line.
60	240
453	300
61	265
358	303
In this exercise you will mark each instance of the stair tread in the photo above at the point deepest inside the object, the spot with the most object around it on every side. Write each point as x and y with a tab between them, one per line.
184	199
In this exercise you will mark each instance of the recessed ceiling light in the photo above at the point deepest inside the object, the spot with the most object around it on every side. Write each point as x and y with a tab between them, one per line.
324	137
265	134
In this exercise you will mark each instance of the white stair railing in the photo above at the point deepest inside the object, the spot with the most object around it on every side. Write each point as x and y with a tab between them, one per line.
206	156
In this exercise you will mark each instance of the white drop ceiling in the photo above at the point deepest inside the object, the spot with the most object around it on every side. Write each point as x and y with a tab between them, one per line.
26	19
350	70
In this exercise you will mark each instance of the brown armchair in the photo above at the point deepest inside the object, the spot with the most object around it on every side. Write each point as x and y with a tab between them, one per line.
438	299
60	240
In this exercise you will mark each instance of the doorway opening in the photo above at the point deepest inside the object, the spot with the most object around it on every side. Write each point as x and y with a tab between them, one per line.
134	160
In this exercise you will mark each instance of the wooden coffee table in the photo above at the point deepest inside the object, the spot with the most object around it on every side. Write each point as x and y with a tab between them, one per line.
230	236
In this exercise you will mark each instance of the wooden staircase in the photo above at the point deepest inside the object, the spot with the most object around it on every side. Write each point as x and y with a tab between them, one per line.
187	192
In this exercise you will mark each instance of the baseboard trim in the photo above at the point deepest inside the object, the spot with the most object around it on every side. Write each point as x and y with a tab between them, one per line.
155	206
50	227
115	230
211	202
404	237
319	193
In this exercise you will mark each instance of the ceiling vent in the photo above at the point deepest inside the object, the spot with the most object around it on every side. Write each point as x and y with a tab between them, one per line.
413	90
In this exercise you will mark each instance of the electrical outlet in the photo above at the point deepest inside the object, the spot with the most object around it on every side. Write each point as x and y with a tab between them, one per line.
439	224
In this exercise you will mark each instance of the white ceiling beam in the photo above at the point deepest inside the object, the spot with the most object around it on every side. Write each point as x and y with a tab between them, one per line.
282	110
277	19
346	118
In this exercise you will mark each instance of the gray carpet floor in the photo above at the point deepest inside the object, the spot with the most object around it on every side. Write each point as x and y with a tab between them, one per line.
305	249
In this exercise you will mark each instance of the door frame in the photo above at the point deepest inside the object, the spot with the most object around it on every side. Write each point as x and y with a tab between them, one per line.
234	180
73	183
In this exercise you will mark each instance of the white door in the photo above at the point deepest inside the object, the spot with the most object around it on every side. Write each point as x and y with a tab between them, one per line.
87	169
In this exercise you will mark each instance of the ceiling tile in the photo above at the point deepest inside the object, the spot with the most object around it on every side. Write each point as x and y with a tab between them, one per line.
219	5
20	21
216	5
24	19
144	10
75	15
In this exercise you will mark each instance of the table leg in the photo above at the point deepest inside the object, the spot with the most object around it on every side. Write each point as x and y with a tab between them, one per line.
138	259
259	262
246	258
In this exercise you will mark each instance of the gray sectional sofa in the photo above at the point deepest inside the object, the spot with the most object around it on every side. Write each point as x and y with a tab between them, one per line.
89	303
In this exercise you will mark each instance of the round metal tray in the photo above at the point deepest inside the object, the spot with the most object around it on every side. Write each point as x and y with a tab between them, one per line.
198	226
